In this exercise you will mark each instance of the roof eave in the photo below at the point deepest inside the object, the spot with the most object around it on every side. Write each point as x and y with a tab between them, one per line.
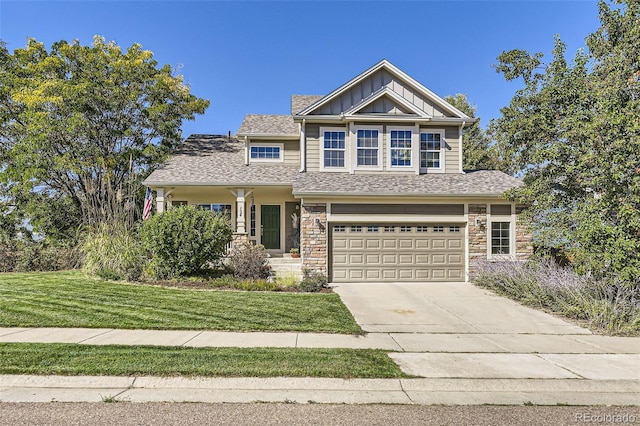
270	135
394	194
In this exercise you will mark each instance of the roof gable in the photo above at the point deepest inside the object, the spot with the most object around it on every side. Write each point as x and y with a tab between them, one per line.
383	76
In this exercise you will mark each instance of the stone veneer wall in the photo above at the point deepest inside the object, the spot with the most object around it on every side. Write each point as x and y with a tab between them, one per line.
524	236
477	237
313	237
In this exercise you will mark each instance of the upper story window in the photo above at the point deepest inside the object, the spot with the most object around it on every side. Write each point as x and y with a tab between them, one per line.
333	149
400	148
266	152
368	148
431	151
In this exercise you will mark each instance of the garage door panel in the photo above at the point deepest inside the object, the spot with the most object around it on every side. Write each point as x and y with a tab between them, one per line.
373	274
356	243
373	244
373	259
340	260
397	252
405	243
388	243
422	243
455	244
439	243
389	274
339	243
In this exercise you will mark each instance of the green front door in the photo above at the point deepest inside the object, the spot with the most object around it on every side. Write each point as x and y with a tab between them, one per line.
270	217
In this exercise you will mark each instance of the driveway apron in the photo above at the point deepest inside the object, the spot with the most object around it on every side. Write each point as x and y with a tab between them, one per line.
444	308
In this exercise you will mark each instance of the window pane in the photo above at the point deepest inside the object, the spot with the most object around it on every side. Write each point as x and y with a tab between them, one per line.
500	241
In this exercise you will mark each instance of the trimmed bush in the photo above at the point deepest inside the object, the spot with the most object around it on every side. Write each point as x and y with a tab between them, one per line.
249	262
313	282
184	240
113	254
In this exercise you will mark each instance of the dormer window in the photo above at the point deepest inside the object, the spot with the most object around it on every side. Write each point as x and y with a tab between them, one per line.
266	152
432	151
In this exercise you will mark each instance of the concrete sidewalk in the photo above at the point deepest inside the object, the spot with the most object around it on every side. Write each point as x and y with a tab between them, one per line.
580	369
397	342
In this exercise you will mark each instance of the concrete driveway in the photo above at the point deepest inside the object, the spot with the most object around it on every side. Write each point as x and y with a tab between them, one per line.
444	308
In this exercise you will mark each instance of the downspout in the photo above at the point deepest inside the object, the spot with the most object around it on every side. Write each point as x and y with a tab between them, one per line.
460	146
246	151
303	146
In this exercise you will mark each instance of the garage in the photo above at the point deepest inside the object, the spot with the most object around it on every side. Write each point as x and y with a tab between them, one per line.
397	252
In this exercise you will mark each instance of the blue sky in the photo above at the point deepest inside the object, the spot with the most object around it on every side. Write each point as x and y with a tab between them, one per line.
249	57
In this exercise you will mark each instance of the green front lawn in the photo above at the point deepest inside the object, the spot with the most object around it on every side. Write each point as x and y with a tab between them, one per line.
71	299
117	360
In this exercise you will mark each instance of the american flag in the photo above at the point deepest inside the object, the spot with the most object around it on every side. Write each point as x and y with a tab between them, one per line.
148	203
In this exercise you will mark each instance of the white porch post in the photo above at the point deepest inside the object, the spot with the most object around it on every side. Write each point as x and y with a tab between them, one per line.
241	220
159	200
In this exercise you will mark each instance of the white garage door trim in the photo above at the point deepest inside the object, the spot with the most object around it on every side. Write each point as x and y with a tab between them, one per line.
397	252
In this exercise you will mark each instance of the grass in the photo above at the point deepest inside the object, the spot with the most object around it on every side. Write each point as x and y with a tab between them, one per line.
118	360
71	299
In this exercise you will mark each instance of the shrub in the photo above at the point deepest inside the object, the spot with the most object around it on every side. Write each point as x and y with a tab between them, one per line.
113	254
609	306
313	282
248	261
44	256
8	254
183	240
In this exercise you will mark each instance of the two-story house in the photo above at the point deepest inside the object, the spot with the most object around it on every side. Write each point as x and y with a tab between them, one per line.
368	180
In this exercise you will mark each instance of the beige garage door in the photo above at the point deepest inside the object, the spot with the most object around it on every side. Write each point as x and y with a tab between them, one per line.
428	252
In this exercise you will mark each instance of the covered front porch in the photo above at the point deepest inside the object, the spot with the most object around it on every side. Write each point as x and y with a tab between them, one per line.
267	215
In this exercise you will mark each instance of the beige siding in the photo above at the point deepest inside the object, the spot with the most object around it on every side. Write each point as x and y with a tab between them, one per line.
291	149
313	147
452	160
292	153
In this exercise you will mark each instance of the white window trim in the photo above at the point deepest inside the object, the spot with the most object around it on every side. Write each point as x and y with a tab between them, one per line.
346	149
511	219
354	147
415	154
443	143
267	160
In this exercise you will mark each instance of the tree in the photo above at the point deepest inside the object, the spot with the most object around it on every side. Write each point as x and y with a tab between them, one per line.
477	152
80	126
573	131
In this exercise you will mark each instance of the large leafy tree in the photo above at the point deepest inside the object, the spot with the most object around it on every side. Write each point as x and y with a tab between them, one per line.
81	125
573	132
477	153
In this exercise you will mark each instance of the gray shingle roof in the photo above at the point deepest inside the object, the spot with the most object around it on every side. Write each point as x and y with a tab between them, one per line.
272	125
300	102
218	160
483	182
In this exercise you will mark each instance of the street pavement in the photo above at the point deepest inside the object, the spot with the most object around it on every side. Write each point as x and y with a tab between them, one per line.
462	345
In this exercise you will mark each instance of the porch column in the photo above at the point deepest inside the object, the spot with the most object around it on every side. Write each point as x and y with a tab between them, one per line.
159	200
241	220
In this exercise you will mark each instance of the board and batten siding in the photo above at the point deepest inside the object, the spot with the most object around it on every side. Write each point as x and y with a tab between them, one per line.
372	84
